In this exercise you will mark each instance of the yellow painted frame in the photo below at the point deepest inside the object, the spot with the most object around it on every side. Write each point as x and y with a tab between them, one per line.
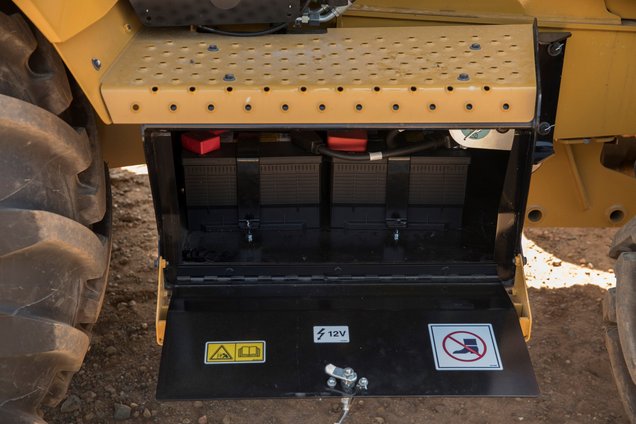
598	94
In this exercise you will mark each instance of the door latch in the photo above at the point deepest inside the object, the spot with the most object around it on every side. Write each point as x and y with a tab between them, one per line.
347	377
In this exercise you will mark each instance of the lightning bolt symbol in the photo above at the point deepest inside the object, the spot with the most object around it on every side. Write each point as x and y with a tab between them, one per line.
321	333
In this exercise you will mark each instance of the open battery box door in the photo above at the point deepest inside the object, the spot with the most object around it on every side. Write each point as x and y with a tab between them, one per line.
298	274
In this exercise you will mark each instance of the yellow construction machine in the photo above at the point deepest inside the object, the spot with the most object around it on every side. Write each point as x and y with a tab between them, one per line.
340	186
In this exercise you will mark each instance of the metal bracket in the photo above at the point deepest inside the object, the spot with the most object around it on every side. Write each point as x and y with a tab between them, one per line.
347	377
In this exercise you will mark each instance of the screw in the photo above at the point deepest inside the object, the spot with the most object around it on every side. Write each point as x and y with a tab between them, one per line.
97	64
348	372
331	382
475	46
463	77
229	77
555	49
363	383
213	48
396	235
544	128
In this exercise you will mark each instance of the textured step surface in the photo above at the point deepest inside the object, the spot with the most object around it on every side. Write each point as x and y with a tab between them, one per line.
382	76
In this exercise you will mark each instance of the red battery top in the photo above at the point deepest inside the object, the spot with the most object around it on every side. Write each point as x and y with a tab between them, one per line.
348	140
202	142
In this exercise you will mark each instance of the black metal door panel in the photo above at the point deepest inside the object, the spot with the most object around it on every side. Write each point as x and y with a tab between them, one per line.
389	341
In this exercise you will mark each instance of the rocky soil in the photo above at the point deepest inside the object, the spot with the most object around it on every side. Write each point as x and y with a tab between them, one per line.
568	271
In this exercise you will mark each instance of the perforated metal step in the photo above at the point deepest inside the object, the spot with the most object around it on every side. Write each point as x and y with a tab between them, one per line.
380	76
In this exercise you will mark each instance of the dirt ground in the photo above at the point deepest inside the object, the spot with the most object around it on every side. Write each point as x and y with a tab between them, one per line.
568	272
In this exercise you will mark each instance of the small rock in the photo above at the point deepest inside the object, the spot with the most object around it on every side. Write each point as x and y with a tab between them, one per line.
378	420
89	396
582	261
122	412
144	325
111	350
132	303
203	419
110	389
89	417
198	404
556	263
72	403
147	413
227	420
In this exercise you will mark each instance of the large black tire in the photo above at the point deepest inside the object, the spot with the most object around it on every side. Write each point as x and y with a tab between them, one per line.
54	224
619	310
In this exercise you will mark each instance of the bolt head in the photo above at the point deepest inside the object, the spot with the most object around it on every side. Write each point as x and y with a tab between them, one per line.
229	77
555	49
331	382
463	77
475	46
544	128
213	48
363	383
348	372
97	64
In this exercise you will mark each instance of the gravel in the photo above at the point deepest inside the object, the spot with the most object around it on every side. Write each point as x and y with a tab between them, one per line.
72	403
122	412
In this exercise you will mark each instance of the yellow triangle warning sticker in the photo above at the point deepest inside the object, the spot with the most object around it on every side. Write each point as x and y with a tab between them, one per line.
221	354
235	352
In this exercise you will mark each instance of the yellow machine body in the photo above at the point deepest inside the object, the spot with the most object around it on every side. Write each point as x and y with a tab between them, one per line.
597	102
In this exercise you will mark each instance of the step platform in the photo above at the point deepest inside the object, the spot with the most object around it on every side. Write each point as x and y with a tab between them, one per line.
274	341
424	76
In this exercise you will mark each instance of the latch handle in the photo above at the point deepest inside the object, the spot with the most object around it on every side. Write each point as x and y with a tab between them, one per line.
345	374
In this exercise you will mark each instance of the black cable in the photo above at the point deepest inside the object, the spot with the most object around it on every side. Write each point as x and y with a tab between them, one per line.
391	138
271	30
402	151
207	29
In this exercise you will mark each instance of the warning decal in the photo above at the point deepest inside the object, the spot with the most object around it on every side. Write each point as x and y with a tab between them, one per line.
464	347
243	352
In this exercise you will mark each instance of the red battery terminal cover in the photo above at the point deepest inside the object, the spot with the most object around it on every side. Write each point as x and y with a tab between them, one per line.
202	142
348	141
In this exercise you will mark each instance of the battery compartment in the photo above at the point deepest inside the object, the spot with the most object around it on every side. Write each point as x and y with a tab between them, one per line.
261	200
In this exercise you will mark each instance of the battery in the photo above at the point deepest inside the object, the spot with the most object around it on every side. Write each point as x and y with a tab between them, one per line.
278	182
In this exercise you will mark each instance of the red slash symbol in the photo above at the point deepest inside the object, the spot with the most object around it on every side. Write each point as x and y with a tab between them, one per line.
464	346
